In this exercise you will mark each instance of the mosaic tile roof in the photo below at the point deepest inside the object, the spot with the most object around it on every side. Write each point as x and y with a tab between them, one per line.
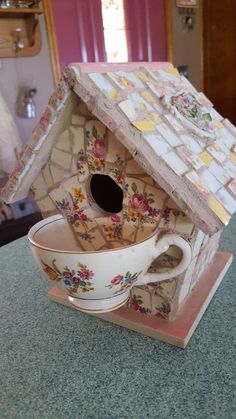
171	129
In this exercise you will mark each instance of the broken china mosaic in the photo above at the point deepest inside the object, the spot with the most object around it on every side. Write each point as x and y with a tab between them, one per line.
179	125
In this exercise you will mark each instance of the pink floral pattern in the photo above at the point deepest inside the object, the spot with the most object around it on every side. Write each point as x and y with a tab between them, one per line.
73	280
137	304
123	281
139	208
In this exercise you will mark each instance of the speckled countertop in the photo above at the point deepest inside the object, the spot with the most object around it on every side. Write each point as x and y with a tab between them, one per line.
58	363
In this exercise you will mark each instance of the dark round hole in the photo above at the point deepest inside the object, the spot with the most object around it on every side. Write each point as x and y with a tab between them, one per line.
106	193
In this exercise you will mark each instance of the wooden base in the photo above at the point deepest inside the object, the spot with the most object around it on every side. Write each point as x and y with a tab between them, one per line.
179	331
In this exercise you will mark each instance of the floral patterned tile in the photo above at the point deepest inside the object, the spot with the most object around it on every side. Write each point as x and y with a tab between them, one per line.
61	158
95	164
167	289
95	132
116	152
77	138
39	187
77	191
81	162
91	240
111	226
117	173
140	300
160	307
64	141
168	218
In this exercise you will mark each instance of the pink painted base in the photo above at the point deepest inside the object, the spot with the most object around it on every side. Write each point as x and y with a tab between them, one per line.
179	331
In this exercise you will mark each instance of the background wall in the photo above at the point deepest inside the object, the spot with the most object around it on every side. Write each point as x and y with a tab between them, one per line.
32	72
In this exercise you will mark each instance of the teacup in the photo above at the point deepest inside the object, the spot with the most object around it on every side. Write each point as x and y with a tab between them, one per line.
99	281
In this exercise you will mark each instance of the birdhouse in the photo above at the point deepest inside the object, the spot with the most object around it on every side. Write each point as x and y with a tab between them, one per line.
137	145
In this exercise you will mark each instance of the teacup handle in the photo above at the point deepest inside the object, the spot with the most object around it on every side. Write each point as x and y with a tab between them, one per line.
162	246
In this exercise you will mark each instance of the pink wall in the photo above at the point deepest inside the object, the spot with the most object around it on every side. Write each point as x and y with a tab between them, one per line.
79	30
145	27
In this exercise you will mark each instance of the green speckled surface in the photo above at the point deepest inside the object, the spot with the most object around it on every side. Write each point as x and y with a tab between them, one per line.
59	363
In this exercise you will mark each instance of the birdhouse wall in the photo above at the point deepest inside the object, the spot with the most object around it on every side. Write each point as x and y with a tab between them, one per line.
84	147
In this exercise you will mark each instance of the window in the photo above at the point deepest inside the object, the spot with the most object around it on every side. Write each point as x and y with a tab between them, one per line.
114	31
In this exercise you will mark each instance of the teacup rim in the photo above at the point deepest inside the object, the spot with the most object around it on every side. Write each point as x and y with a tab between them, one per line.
57	217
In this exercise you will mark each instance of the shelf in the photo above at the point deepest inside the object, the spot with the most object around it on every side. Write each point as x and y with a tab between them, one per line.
25	19
20	11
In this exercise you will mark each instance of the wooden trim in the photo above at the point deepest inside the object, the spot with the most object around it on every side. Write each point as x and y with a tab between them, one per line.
202	38
169	32
52	41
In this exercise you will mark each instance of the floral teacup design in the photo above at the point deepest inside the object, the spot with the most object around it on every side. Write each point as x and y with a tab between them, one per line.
101	280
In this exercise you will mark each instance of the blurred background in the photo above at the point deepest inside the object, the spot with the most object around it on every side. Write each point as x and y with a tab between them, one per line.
38	39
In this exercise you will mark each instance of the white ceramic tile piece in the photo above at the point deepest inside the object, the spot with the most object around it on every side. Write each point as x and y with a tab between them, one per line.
61	158
46	204
175	163
225	133
198	183
191	143
101	82
77	119
227	200
186	155
210	181
40	187
219	172
185	287
128	109
174	123
57	173
230	169
200	236
64	142
77	138
47	176
217	154
158	144
169	135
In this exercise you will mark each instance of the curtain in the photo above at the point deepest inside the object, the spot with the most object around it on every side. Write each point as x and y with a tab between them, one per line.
79	31
145	30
